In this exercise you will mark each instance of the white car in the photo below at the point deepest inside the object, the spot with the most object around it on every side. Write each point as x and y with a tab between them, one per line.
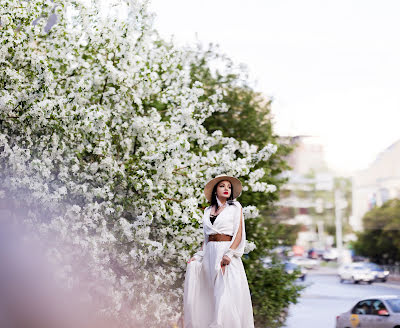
380	273
291	268
305	262
355	273
330	255
373	312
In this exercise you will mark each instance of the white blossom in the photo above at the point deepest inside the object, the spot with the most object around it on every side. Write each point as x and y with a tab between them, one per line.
81	136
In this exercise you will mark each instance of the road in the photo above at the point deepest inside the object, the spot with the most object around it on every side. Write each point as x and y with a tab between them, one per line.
325	297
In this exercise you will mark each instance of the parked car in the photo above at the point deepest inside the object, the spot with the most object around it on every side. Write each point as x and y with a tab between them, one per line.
355	273
283	251
298	250
267	262
305	262
292	267
289	267
315	253
330	254
359	258
376	312
380	274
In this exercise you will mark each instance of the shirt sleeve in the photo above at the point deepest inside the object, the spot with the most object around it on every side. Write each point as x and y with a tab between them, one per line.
238	243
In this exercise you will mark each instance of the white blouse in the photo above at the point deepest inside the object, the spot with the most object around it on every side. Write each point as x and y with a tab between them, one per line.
224	222
227	223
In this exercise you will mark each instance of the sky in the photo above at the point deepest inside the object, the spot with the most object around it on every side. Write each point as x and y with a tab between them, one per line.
332	68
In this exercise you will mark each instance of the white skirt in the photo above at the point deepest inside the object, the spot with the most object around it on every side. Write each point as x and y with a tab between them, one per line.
213	299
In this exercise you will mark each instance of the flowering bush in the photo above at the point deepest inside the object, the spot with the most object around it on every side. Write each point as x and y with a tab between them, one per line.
101	127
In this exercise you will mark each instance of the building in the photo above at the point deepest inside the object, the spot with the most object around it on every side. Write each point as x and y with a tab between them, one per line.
376	184
307	197
307	156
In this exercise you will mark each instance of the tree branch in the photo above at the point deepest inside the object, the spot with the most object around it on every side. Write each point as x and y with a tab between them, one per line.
173	200
183	174
104	89
105	83
180	168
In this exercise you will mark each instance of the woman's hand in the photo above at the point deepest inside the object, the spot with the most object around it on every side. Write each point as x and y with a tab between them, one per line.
192	259
224	262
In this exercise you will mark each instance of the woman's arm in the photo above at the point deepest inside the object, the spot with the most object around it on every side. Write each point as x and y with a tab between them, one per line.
226	259
199	254
238	238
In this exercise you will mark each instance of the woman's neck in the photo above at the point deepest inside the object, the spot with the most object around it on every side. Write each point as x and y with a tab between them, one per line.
221	202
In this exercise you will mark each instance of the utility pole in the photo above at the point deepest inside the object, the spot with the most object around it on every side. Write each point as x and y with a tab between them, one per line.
340	204
320	225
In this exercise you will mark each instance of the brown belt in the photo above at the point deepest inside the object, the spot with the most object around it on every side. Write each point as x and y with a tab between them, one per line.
219	237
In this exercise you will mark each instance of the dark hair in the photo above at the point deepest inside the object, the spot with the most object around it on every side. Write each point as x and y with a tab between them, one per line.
214	195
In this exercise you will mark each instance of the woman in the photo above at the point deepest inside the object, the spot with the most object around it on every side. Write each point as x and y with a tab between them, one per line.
216	290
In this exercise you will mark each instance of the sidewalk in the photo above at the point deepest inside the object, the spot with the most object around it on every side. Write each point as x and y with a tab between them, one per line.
394	279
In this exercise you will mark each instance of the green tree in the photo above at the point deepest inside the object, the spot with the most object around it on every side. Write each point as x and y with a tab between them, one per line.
287	233
248	118
380	239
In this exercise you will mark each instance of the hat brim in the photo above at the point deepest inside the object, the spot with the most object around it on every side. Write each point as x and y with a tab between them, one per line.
236	184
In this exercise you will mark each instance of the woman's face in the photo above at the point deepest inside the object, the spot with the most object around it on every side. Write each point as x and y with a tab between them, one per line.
224	190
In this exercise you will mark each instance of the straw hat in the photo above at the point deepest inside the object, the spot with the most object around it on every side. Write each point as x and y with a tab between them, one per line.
236	184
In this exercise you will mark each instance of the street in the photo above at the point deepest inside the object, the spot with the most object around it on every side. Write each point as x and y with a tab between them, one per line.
325	297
